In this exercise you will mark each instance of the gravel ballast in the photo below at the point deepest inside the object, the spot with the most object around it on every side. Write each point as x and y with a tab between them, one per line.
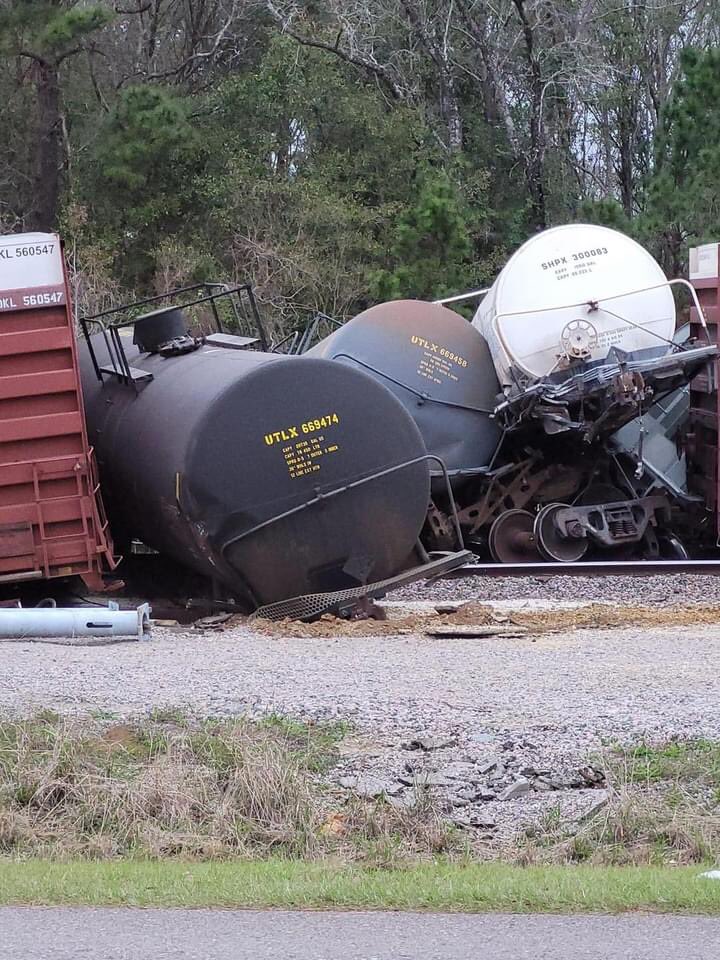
650	589
501	729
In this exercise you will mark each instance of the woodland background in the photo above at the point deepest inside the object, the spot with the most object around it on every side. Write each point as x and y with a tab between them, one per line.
337	152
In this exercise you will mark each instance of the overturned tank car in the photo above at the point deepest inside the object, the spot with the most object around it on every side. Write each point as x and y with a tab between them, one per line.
581	327
275	476
438	366
441	370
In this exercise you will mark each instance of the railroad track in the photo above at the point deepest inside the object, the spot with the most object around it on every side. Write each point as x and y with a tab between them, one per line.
306	607
591	568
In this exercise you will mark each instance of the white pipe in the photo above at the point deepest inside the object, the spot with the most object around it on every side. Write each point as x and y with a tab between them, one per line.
471	295
31	623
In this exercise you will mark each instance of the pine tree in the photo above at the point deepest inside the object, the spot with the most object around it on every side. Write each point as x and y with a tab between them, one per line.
145	167
46	33
431	246
683	195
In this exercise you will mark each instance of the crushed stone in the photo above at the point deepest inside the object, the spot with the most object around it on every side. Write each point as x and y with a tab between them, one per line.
677	588
500	730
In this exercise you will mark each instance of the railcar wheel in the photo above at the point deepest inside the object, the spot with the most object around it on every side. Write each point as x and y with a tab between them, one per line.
553	546
672	548
511	538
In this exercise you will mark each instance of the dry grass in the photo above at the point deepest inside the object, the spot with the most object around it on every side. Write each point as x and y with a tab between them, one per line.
598	616
384	835
167	787
663	809
603	616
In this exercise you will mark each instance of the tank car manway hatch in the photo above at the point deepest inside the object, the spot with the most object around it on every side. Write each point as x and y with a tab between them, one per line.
52	522
297	484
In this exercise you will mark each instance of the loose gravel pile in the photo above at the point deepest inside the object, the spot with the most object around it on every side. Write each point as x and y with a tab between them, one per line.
501	729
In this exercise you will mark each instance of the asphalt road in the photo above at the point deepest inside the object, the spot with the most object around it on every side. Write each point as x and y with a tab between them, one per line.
39	933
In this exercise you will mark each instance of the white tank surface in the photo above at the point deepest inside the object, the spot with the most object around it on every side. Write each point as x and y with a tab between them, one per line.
570	294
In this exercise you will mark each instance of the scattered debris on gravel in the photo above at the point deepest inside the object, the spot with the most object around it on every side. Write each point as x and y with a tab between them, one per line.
167	785
468	617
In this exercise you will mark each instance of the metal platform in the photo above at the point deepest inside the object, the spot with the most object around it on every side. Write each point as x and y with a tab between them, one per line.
339	601
134	374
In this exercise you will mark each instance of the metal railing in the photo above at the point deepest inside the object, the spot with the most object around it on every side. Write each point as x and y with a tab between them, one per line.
239	301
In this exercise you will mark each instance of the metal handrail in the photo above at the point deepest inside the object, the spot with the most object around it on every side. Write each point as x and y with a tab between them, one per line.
593	305
424	397
471	295
319	498
111	330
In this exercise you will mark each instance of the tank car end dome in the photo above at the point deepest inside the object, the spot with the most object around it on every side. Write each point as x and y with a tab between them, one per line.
569	295
437	365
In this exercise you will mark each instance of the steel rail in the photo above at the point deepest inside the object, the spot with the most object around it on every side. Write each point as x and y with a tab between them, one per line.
590	568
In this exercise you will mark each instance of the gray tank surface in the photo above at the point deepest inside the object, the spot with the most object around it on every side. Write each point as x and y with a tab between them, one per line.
437	364
277	476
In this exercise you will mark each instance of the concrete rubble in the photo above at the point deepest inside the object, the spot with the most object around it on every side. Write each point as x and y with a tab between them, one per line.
483	783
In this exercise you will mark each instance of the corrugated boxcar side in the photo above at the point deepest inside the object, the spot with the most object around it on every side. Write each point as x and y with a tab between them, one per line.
702	446
51	518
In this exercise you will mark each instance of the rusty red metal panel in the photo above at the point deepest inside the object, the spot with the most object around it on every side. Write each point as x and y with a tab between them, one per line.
37	384
52	521
16	540
13	474
49	425
35	341
703	451
47	512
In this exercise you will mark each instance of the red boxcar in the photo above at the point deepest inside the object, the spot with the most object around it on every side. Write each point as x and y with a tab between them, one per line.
52	522
702	447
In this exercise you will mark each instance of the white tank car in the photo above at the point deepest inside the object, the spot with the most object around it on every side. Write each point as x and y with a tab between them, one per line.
570	294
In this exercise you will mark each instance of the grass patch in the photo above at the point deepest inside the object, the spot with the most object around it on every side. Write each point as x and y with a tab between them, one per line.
692	761
171	787
663	809
315	743
435	886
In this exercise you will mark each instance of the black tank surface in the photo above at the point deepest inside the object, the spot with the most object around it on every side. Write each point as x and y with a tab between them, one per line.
439	367
238	464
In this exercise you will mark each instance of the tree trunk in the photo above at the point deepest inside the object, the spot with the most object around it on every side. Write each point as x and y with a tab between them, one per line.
626	169
48	145
671	254
626	125
535	161
536	168
450	110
